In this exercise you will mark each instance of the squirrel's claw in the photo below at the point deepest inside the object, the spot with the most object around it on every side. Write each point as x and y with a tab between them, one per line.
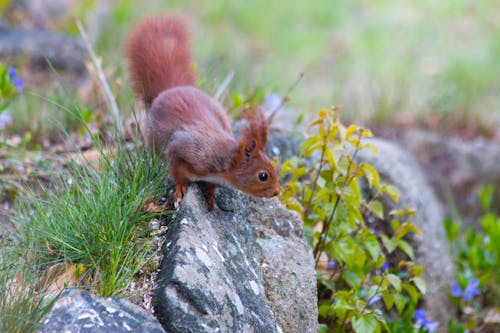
179	194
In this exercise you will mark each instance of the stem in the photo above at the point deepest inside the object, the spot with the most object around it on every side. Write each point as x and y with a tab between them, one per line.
110	99
315	182
326	226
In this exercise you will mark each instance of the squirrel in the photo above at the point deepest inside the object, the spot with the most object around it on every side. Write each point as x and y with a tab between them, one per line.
188	128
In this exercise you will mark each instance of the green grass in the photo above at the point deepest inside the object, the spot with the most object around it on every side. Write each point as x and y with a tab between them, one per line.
88	217
22	304
92	217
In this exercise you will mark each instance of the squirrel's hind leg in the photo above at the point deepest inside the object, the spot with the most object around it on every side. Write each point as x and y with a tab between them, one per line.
180	175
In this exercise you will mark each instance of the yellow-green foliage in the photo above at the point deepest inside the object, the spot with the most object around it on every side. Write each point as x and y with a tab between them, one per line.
326	188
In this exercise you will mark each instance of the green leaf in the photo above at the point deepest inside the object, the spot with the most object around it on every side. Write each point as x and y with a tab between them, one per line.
325	309
395	281
353	279
371	244
406	248
405	228
392	191
365	324
376	208
388	298
417	270
412	292
237	101
389	243
323	328
486	196
371	175
400	302
420	284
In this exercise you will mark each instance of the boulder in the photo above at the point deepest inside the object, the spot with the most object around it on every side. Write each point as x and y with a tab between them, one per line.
396	166
77	311
245	267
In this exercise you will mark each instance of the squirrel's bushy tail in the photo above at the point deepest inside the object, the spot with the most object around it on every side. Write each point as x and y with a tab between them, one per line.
159	56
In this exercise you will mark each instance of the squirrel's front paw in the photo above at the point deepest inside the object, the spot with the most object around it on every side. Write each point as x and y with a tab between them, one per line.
180	189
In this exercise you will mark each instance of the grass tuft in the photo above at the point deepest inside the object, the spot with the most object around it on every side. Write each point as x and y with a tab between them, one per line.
93	218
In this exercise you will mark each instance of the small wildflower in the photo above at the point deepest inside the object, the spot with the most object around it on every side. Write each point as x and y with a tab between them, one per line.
472	290
422	321
331	264
374	300
385	266
16	81
456	291
5	119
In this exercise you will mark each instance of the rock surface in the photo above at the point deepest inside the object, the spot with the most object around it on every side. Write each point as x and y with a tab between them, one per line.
398	167
456	167
244	267
41	48
77	311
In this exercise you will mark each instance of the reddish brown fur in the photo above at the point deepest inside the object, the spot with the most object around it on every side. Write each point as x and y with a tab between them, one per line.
188	127
159	56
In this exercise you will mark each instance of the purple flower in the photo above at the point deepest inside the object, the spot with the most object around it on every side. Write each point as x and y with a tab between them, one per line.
375	299
422	321
472	290
16	81
456	291
384	266
5	119
331	264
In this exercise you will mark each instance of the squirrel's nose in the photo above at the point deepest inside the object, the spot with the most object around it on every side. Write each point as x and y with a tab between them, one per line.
276	193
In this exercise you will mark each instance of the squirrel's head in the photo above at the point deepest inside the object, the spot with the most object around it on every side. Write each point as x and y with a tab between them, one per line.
252	171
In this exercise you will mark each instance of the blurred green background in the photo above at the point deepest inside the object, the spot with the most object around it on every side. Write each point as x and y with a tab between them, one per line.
386	62
379	59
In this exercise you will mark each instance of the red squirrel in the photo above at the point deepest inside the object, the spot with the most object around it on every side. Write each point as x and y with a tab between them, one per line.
186	126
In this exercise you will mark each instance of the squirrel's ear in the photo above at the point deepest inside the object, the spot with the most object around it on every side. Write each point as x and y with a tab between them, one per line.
248	147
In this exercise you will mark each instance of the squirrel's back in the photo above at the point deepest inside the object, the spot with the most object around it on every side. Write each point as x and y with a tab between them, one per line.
159	56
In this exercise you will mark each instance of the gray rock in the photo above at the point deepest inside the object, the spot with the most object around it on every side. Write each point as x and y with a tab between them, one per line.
398	167
456	167
244	267
77	311
41	48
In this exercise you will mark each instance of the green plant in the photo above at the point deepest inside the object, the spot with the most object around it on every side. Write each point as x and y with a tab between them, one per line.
477	257
10	86
23	303
94	218
354	273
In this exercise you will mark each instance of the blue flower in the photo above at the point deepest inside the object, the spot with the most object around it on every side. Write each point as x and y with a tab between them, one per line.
331	264
375	299
472	290
16	81
384	266
422	321
456	291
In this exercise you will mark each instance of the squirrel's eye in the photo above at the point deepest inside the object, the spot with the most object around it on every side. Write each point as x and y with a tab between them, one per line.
263	176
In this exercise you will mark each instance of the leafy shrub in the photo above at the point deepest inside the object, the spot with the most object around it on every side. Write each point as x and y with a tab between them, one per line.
325	187
477	257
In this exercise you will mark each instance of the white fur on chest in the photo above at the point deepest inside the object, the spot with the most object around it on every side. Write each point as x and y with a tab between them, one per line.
210	179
